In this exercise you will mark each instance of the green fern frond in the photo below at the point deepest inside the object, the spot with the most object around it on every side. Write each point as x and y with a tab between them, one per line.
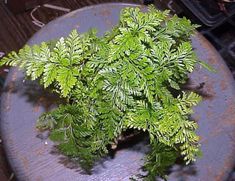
129	79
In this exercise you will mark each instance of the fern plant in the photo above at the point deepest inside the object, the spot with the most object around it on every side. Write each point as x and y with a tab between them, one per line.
128	79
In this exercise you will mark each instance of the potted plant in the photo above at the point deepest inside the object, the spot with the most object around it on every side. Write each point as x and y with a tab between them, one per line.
126	82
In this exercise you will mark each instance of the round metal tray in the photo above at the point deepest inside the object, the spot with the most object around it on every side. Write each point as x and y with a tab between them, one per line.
32	157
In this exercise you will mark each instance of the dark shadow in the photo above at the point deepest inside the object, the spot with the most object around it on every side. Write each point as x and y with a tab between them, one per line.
34	93
71	163
197	88
132	140
182	172
43	135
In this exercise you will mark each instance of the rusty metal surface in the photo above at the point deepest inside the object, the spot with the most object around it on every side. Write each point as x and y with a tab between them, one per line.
32	157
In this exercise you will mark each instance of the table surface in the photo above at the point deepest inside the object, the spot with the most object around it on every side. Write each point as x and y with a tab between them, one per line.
23	102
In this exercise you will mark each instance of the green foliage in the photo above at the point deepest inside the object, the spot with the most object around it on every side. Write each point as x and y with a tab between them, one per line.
59	65
128	79
159	158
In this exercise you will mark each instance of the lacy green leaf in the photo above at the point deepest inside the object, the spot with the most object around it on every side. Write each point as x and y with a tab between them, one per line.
126	82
